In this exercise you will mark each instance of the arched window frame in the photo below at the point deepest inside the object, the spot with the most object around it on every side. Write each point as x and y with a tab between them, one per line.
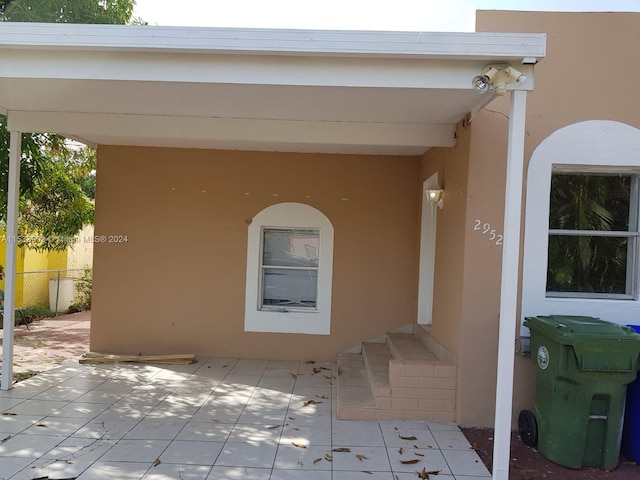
289	215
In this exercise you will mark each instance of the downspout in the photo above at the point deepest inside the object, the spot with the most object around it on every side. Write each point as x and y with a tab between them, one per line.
15	151
509	285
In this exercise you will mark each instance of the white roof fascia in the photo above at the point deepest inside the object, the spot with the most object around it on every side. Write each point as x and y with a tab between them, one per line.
494	46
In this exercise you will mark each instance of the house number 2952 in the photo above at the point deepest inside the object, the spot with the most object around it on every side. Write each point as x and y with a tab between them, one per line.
486	229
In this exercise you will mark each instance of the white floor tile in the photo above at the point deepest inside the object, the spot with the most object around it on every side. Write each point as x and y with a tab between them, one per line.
81	410
107	429
156	429
38	407
239	473
305	435
290	457
56	426
80	449
190	452
53	469
9	466
431	460
29	446
17	423
350	433
408	438
372	459
256	434
205	431
246	455
279	474
166	471
119	470
136	451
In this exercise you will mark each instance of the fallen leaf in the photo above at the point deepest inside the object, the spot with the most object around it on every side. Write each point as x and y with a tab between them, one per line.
362	458
273	427
40	425
418	454
328	457
291	418
225	365
5	438
367	472
408	438
9	413
317	460
321	396
157	462
293	375
310	402
298	445
425	475
400	451
316	370
310	362
410	462
215	420
395	428
341	450
296	429
395	477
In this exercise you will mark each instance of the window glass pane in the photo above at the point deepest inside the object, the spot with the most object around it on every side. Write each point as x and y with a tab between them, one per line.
286	287
589	202
290	247
587	264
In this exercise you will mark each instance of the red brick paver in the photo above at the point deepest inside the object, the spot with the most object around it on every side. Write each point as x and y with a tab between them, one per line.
50	341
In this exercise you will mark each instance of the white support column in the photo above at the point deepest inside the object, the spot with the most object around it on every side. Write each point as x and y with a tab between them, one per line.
15	151
509	285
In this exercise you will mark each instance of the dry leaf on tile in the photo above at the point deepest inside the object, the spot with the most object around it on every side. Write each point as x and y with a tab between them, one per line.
341	450
328	457
410	462
418	454
157	462
6	438
400	451
408	438
367	472
317	460
298	445
274	427
321	395
362	458
9	413
425	475
310	402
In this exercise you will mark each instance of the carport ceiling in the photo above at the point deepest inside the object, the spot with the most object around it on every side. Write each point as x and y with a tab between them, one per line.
274	90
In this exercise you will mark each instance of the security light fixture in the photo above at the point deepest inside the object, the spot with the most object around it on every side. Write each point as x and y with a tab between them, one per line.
497	77
435	197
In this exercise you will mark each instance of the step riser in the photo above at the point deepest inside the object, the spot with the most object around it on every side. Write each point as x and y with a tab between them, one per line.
406	381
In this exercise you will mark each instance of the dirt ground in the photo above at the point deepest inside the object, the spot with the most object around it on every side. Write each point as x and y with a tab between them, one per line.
528	464
50	341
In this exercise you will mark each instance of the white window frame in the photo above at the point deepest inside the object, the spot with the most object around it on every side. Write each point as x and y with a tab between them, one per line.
289	215
591	146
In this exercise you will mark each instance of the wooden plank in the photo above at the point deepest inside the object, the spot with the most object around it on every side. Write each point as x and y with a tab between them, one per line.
95	357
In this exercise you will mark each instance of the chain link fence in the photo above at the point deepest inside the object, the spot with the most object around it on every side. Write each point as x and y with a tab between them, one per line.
57	290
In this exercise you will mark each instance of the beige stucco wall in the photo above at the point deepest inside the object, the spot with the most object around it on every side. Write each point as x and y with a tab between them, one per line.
578	80
178	283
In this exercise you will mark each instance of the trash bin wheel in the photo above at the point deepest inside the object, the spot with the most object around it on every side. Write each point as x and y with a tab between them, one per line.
528	428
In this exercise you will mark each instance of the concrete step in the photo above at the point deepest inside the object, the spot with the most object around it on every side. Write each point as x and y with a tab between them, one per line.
376	360
353	384
409	348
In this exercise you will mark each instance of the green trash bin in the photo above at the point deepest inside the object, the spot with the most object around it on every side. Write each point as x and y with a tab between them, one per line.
583	367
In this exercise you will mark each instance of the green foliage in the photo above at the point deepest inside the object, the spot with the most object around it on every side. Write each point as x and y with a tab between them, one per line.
588	263
67	11
56	181
84	286
36	312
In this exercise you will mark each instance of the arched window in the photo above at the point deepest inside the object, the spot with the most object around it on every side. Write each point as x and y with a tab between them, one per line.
582	236
289	271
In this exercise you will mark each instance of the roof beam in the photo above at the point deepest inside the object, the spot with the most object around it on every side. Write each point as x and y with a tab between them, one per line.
161	130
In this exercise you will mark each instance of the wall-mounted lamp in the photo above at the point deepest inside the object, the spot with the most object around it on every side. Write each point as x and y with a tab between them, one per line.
435	197
497	77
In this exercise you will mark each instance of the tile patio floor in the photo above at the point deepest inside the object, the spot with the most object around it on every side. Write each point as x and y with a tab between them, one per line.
215	419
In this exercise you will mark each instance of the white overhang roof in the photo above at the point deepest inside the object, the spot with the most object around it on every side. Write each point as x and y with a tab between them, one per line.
250	89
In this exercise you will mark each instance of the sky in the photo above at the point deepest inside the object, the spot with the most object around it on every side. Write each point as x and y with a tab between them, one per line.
399	15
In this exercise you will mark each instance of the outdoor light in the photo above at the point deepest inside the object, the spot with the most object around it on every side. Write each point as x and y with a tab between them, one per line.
482	83
434	197
497	77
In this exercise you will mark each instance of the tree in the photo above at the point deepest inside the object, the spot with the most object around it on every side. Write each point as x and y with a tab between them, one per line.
57	180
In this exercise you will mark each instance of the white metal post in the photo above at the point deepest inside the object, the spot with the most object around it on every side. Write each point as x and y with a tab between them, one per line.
15	149
509	285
